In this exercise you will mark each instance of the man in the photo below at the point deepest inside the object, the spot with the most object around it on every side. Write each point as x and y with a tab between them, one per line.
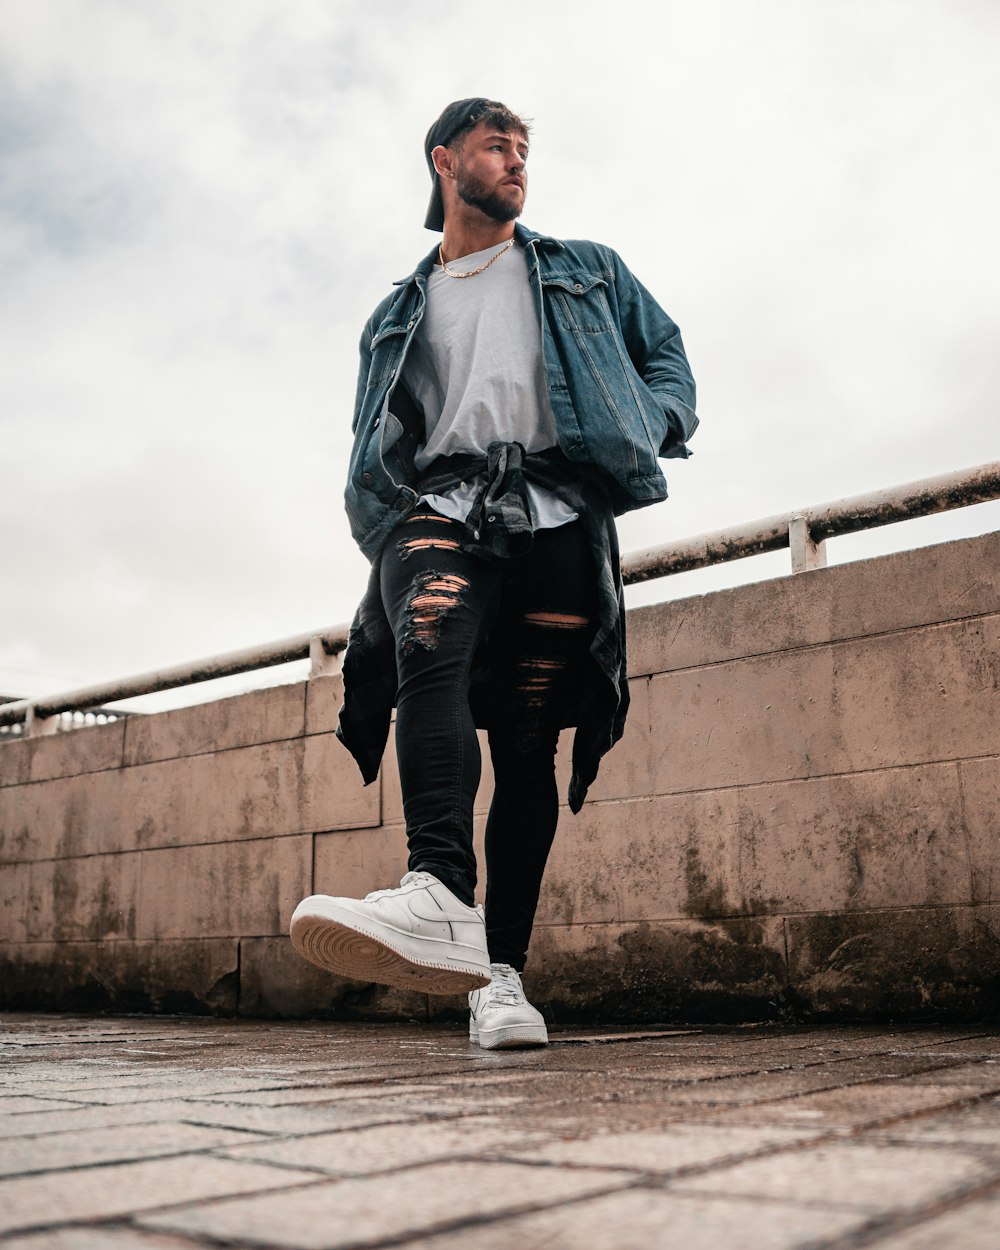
514	394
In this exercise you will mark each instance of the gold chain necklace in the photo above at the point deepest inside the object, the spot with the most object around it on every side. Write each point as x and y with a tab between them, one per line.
471	273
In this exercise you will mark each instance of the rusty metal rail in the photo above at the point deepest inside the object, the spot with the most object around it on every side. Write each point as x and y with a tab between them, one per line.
805	532
320	646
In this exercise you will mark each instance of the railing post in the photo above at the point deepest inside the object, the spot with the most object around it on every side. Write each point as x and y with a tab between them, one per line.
806	554
36	726
321	662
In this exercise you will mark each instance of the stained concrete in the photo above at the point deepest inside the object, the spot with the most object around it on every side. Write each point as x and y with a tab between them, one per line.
800	823
169	1133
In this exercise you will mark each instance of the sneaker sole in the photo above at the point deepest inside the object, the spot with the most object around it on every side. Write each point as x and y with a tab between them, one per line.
514	1037
364	955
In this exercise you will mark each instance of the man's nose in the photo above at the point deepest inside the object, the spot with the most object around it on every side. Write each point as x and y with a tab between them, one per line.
517	163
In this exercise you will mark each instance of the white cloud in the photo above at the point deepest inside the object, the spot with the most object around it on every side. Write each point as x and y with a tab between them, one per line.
201	203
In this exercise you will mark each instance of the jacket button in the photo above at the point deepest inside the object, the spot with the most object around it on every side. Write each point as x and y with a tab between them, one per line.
401	504
367	479
491	517
577	286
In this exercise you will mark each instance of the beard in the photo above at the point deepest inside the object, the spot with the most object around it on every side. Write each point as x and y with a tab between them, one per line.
491	201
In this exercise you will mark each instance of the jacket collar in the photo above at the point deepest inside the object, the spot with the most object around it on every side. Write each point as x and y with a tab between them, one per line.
522	236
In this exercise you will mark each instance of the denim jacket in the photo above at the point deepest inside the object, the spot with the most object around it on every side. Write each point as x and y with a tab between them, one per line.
618	380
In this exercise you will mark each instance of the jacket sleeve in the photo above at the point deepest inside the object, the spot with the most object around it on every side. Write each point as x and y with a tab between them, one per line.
654	345
364	369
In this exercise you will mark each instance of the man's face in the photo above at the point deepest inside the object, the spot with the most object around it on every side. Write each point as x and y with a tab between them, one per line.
490	171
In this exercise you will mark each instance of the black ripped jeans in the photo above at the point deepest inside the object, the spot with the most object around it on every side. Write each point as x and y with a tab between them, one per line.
539	612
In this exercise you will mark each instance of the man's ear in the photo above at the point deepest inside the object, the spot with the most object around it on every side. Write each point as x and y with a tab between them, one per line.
444	161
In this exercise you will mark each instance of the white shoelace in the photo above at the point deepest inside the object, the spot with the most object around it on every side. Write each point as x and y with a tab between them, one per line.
505	986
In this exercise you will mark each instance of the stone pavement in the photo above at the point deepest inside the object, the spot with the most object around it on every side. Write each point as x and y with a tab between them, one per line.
169	1134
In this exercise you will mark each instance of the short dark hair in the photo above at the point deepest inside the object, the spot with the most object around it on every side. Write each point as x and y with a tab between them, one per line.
495	114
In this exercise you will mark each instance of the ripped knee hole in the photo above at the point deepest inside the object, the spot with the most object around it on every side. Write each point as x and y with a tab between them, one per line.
434	596
407	546
535	677
556	620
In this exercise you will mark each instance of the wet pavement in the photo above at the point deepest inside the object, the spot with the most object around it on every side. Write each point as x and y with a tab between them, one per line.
168	1134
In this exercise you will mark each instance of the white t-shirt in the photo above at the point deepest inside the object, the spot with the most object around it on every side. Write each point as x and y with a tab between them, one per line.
475	367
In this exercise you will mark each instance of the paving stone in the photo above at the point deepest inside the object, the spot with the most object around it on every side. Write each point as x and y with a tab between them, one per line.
302	1095
155	1081
121	1189
359	1212
52	1151
99	1238
644	1220
793	1079
621	1037
110	1095
314	1118
917	1068
380	1149
976	1125
975	1226
985	1073
870	1178
17	1104
604	1115
892	1040
981	1047
679	1146
753	1089
675	1072
557	1089
82	1119
303	1115
706	1090
851	1107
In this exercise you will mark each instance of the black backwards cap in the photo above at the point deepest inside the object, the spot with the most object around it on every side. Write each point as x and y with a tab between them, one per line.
462	115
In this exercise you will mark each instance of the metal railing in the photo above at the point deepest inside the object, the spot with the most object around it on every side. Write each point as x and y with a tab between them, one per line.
805	532
70	719
321	646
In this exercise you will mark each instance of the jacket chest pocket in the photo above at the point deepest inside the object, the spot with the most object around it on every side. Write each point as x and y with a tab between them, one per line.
581	305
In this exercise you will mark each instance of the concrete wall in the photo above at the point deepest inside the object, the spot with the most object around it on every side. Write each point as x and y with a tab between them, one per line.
803	818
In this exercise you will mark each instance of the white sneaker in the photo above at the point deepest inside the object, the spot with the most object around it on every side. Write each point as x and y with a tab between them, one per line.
416	937
501	1017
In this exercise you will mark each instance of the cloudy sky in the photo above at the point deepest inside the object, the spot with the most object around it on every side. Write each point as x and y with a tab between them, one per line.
200	203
